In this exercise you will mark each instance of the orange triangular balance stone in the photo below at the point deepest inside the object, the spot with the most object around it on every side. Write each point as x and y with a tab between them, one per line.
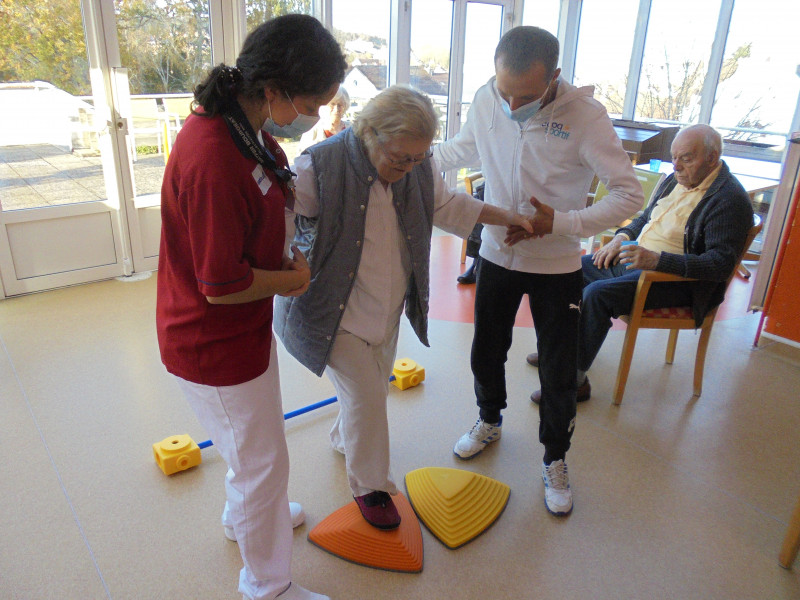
347	535
455	505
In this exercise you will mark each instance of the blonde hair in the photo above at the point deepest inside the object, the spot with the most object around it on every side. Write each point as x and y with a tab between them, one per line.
399	110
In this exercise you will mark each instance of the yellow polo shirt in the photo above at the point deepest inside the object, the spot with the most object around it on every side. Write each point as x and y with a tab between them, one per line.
664	231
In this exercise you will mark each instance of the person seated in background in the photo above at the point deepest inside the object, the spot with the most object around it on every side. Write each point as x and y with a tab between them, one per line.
696	226
331	120
473	244
366	204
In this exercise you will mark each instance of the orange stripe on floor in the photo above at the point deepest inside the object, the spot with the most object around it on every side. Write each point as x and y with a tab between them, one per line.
452	301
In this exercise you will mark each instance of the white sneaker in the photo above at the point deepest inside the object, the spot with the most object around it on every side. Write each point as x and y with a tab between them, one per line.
296	592
295	509
557	493
477	438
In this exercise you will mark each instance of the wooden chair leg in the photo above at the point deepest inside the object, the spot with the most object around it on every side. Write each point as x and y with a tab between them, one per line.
624	364
672	342
791	543
743	271
463	251
700	360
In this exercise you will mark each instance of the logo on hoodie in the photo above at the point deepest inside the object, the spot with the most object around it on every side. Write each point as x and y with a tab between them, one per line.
558	130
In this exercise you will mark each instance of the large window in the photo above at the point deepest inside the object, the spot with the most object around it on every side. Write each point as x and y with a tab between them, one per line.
759	81
259	11
48	141
676	60
429	69
166	48
680	62
483	31
604	50
542	13
362	29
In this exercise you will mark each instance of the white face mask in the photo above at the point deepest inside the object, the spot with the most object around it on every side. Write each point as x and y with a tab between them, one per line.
526	111
298	126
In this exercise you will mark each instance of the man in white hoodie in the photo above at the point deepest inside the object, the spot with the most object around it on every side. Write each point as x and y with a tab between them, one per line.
537	139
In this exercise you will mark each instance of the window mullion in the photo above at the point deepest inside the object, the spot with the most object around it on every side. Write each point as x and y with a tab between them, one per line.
400	42
568	25
637	58
715	61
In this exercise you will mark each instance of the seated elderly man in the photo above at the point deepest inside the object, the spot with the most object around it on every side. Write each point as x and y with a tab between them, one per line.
696	226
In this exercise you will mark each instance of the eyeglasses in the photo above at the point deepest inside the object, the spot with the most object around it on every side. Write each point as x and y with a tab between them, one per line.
408	160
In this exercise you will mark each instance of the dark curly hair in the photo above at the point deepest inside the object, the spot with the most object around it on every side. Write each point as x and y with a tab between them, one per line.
292	53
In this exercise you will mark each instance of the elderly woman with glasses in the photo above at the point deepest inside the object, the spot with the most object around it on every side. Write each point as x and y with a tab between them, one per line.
366	203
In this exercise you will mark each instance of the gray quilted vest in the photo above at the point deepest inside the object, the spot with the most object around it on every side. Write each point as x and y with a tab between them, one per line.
332	243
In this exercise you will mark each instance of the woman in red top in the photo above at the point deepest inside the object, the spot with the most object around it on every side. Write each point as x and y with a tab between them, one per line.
221	261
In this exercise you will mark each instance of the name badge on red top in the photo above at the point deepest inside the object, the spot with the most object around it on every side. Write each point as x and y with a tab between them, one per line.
264	182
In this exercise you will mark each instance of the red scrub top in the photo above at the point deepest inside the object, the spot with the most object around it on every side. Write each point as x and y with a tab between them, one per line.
221	215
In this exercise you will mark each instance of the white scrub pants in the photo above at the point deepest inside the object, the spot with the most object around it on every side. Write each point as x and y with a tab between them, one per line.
360	373
245	422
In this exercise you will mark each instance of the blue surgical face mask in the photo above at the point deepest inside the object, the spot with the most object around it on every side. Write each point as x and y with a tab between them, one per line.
526	111
299	126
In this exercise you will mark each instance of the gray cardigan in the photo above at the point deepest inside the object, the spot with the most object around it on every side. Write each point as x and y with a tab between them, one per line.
332	243
713	239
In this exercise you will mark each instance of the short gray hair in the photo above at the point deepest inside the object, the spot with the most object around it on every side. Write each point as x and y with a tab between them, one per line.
524	46
399	110
341	97
712	140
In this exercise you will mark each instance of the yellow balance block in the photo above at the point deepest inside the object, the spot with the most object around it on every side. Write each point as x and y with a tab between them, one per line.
176	453
455	505
407	373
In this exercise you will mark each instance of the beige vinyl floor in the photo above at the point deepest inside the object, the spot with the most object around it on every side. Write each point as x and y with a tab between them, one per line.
674	497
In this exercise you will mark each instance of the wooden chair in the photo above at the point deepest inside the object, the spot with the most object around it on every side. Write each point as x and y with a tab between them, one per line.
741	270
469	180
791	542
674	319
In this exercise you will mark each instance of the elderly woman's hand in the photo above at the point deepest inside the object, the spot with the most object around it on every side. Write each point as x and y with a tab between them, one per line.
299	264
518	228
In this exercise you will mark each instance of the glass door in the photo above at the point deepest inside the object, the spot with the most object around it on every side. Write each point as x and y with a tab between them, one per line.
94	93
58	213
452	54
164	50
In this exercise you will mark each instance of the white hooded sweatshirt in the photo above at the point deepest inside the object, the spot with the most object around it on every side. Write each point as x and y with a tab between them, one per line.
553	156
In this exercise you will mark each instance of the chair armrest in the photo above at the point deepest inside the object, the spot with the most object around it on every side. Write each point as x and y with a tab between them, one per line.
661	276
646	279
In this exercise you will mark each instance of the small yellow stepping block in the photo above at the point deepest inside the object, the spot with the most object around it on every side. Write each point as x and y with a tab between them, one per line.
407	373
455	505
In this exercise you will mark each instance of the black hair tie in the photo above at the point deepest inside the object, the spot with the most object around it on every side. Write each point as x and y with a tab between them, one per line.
231	75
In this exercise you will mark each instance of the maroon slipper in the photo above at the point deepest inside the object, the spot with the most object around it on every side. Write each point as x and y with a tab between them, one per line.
378	510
